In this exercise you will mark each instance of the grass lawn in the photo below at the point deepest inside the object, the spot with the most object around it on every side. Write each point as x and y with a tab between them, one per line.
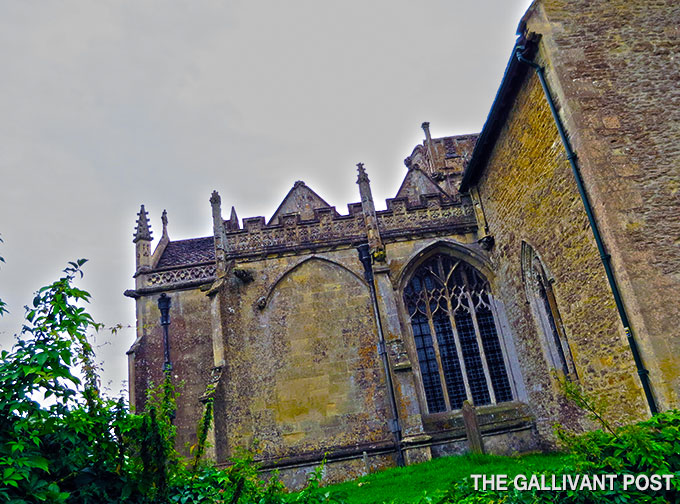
408	484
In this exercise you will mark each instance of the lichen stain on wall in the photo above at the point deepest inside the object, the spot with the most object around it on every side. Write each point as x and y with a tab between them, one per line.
529	194
314	377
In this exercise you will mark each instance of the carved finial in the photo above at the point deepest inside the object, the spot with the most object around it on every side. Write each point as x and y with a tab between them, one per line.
164	220
430	163
408	162
426	129
216	204
143	229
298	183
362	177
219	233
370	220
232	224
215	198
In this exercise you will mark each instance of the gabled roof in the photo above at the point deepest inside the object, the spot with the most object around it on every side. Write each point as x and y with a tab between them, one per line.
513	77
301	200
417	183
185	252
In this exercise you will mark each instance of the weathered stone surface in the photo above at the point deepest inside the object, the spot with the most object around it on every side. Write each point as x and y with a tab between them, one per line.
472	430
290	321
528	194
618	93
308	374
284	311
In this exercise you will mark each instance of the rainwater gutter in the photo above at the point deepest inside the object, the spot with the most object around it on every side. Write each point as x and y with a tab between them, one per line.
604	256
395	428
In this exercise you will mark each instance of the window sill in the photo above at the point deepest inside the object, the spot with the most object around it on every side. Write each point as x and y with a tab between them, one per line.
492	418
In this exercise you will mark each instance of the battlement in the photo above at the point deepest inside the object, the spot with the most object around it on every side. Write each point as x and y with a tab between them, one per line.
189	262
435	213
304	222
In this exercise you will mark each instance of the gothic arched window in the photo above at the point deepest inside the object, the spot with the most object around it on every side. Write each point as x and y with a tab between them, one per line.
544	309
459	352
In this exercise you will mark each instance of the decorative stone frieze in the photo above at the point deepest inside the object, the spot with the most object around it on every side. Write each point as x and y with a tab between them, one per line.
174	276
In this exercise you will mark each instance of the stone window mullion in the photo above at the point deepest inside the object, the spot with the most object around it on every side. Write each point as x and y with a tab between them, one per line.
437	353
480	344
459	348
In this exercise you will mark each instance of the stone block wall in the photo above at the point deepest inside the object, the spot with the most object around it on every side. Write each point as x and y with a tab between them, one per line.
528	194
302	375
613	68
190	354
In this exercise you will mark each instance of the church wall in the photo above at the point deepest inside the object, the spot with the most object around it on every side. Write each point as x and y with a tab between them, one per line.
288	320
507	428
303	375
528	194
612	67
190	354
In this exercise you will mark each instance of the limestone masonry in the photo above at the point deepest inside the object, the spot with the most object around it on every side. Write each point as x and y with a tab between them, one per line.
505	263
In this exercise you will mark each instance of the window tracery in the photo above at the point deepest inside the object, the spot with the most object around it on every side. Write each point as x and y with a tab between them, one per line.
454	331
544	308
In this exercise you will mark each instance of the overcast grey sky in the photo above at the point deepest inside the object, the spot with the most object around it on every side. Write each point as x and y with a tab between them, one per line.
106	105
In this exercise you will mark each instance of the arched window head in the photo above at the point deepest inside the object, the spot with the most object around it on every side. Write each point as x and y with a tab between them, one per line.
539	292
454	331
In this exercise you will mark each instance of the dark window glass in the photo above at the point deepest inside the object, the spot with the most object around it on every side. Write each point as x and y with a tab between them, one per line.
453	375
449	296
494	356
428	364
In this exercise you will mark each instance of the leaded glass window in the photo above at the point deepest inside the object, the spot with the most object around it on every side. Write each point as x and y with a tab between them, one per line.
459	351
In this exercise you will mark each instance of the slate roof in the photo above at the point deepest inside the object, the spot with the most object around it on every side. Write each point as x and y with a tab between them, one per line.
513	80
185	252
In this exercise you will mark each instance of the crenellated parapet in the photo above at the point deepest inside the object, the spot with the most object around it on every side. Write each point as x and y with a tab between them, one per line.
433	216
305	223
402	219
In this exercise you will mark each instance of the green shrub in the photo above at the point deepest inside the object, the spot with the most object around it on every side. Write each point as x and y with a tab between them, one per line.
63	442
648	447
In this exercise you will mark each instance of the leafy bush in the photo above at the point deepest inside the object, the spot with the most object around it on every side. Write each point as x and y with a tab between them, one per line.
48	453
62	441
648	447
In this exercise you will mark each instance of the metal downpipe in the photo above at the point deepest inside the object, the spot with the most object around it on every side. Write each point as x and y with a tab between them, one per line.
395	428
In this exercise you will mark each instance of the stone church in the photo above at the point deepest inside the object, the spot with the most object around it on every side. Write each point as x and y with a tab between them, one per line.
544	248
